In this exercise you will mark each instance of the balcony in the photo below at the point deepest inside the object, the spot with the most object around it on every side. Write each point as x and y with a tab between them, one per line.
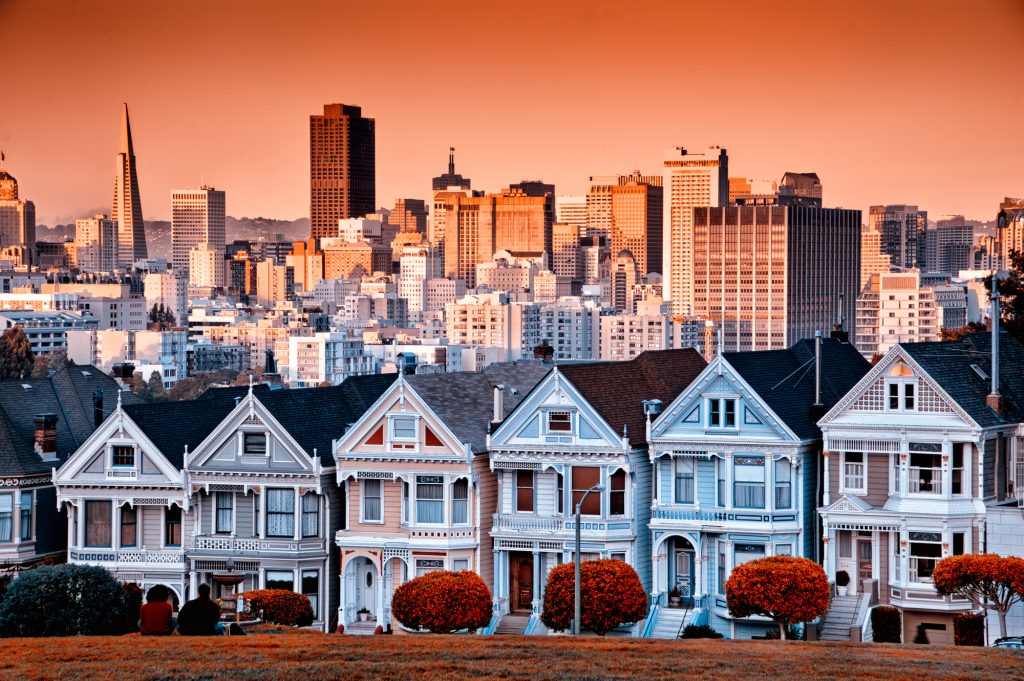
255	545
128	557
691	516
526	523
562	527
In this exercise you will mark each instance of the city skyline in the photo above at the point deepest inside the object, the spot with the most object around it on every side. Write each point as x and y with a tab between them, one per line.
949	152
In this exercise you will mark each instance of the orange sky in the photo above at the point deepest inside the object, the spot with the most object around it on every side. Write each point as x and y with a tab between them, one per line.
887	101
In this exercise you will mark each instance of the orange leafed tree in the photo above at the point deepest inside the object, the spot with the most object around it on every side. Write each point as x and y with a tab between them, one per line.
610	594
784	588
990	581
281	606
443	602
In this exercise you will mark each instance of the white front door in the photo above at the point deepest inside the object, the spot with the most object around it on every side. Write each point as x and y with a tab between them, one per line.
366	587
684	581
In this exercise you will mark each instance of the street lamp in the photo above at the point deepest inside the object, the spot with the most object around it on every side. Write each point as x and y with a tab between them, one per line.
576	621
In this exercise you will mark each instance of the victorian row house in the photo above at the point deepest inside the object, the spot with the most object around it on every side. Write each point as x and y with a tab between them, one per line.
924	458
239	479
419	492
735	474
42	422
583	428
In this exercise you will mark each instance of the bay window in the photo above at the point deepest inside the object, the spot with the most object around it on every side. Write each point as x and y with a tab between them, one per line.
6	517
425	565
97	523
720	488
129	526
744	553
560	493
172	526
279	579
311	588
372	501
684	480
310	514
429	499
280	513
617	494
460	502
925	552
26	515
225	508
957	481
583	479
926	472
405	501
748	488
854	471
783	484
524	491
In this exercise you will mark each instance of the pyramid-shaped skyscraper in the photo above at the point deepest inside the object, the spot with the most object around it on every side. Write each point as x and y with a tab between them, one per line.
127	209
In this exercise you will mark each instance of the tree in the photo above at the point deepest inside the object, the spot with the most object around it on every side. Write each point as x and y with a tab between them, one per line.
990	581
610	595
51	363
784	588
956	334
155	386
443	602
16	356
280	606
1011	291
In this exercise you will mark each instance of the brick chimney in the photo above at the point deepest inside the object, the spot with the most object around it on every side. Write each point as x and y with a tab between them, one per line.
46	436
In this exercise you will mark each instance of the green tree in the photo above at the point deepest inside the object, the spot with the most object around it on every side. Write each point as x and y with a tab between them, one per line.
1011	291
16	358
155	386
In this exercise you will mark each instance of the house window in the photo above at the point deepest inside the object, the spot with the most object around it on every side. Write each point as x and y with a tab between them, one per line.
748	488
925	552
310	515
925	473
460	564
853	471
895	472
959	541
902	389
423	566
957	477
583	479
172	526
460	502
722	413
280	513
97	523
783	549
26	516
123	455
225	510
403	428
255	444
311	588
617	494
372	506
560	492
559	422
684	480
129	526
6	517
744	553
524	491
280	579
429	499
783	484
721	571
845	544
720	482
405	501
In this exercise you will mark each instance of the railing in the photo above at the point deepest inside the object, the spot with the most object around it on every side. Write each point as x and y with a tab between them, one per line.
256	545
925	480
131	557
722	516
652	618
527	523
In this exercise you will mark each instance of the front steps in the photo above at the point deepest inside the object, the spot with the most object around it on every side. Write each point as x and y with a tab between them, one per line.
841	615
670	622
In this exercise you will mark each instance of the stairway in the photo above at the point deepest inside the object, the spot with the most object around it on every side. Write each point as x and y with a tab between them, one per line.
362	628
842	613
670	622
511	625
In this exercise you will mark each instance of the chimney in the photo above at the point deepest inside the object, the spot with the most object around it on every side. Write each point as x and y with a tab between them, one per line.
46	436
817	368
499	404
994	400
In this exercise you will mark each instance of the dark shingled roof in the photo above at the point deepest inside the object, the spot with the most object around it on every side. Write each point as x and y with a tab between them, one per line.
616	390
949	365
172	426
784	379
465	401
68	394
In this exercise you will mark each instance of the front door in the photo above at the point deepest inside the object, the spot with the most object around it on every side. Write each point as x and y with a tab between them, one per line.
863	564
684	573
520	581
366	587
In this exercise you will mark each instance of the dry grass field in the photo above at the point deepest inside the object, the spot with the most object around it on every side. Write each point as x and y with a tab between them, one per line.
309	657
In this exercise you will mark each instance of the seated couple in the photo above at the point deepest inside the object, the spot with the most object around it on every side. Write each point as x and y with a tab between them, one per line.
198	617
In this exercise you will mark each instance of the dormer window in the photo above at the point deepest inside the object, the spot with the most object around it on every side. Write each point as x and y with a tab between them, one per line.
403	428
255	444
721	413
123	455
559	422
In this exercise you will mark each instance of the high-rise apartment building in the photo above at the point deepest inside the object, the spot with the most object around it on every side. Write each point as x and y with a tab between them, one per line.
127	208
206	266
623	279
637	221
1011	227
902	228
274	283
948	245
96	247
307	262
895	308
565	251
17	217
342	168
872	259
690	180
772	275
571	210
197	217
451	179
169	290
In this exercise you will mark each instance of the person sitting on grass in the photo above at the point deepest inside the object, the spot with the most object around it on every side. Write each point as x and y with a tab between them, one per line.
200	616
156	616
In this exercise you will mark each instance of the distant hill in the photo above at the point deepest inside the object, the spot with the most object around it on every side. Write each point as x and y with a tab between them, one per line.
158	232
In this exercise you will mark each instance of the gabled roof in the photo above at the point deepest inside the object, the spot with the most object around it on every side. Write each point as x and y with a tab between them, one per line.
948	363
68	394
616	390
784	379
172	426
465	401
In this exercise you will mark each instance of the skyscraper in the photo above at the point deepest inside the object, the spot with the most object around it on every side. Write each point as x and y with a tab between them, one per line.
637	221
96	247
17	218
127	208
771	275
342	168
451	178
903	233
571	210
690	180
197	217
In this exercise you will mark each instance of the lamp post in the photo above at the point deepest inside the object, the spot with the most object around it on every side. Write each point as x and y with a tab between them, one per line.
576	595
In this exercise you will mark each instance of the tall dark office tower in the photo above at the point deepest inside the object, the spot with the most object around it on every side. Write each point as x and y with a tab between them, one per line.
903	233
451	178
127	209
342	168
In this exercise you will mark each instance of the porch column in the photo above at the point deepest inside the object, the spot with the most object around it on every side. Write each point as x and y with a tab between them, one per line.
115	527
904	549
536	580
827	495
699	563
193	584
379	614
876	556
496	577
904	471
829	562
259	498
80	523
729	482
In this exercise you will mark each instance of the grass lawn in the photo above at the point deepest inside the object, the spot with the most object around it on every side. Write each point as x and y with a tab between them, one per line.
309	656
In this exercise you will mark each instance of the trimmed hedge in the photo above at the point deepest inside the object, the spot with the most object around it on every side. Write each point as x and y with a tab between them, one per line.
280	606
67	600
610	595
969	629
699	631
886	624
442	602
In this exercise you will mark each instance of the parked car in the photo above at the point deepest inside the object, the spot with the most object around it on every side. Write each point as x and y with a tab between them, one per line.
1010	642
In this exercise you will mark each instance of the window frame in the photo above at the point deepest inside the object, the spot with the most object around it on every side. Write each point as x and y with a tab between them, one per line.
435	502
26	514
306	513
460	502
617	496
521	488
844	478
134	524
777	486
86	513
578	492
678	476
115	454
290	514
250	436
569	421
172	528
739	462
722	413
363	496
217	510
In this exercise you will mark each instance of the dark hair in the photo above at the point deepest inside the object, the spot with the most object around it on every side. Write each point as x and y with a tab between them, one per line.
204	590
157	594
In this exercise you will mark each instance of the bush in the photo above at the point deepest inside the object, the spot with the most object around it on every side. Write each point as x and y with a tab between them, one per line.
5	581
443	602
699	631
133	604
969	629
610	595
784	588
280	606
842	578
66	600
887	624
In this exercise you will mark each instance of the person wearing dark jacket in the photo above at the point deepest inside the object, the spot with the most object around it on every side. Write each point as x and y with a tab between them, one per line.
200	616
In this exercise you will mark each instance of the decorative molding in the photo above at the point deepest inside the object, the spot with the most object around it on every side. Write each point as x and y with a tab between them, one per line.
25	482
